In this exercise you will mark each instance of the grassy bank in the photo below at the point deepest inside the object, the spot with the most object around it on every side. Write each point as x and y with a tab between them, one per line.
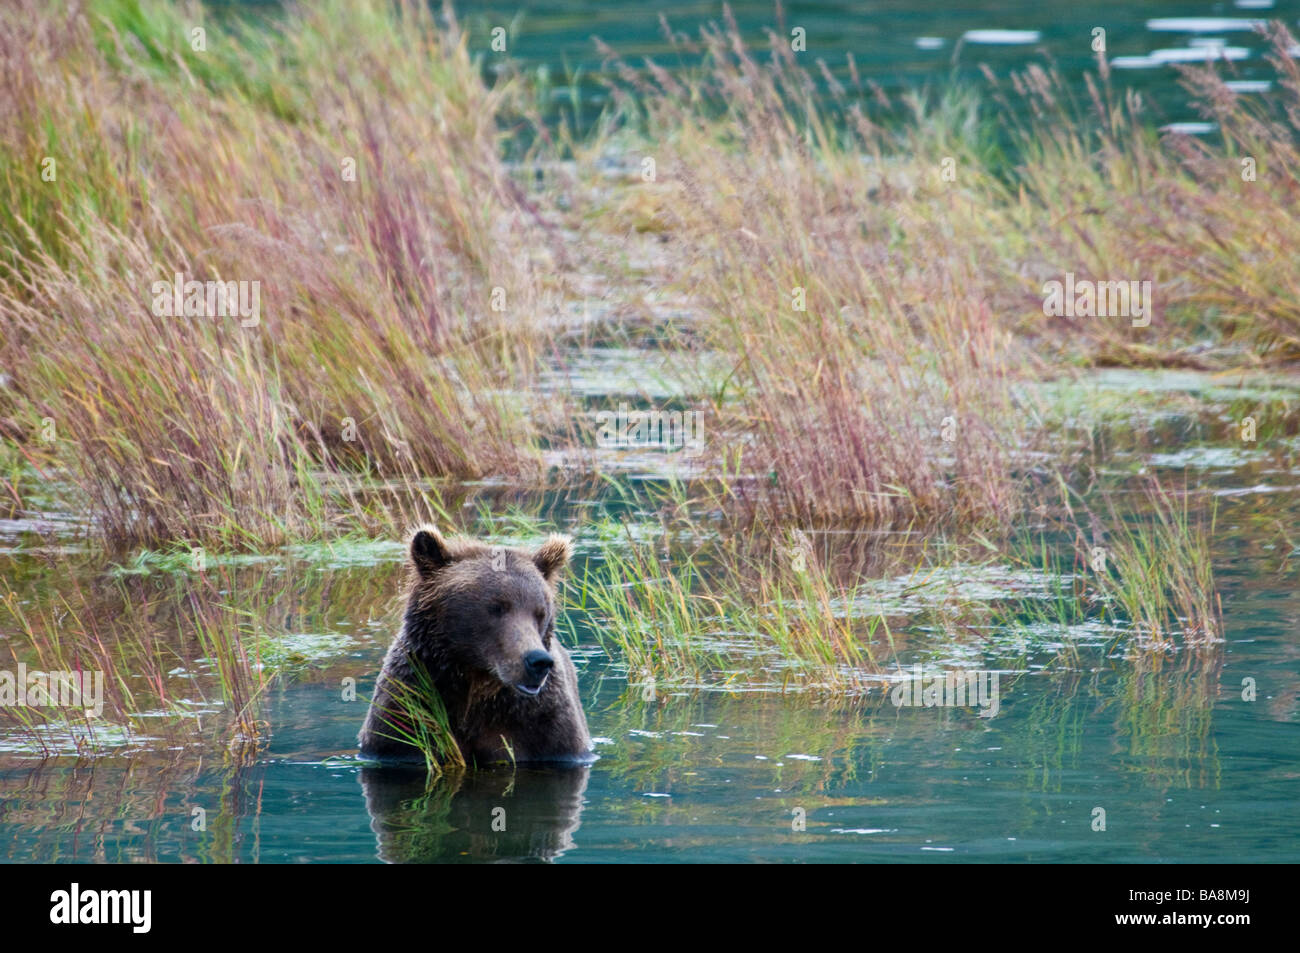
873	284
398	270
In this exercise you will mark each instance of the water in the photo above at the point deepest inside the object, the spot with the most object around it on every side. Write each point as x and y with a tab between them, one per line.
1184	768
716	777
899	44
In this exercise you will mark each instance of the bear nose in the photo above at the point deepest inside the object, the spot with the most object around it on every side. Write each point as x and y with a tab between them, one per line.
538	663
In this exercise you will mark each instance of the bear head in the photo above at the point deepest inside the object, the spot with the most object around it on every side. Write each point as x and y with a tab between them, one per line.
489	611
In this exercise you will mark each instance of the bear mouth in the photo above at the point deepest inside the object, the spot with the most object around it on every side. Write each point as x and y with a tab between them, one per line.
531	691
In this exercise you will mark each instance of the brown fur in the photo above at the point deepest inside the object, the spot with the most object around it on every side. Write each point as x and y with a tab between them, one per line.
475	616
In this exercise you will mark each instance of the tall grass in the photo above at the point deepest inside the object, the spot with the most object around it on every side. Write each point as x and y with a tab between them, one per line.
876	273
1104	194
398	264
872	377
872	270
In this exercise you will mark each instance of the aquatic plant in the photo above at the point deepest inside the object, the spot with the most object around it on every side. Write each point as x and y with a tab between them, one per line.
721	619
186	655
1152	567
418	717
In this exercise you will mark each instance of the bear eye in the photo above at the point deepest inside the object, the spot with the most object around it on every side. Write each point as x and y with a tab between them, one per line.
540	616
499	608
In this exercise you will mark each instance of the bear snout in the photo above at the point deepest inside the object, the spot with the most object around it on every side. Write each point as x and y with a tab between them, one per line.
537	665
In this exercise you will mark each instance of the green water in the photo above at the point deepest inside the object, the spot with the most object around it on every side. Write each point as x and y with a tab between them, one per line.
897	44
1184	768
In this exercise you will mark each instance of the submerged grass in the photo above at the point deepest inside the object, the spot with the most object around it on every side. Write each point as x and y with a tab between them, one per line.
1154	568
421	721
184	656
754	611
723	619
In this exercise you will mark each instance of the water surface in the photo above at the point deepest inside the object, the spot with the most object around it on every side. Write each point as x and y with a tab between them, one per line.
1183	766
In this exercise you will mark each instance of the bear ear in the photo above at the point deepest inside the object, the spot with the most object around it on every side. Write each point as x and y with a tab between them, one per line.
553	555
429	551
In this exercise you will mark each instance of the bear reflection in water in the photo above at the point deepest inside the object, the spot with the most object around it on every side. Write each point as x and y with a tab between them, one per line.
499	814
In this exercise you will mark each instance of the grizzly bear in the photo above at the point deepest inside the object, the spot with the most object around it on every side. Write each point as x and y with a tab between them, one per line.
480	630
